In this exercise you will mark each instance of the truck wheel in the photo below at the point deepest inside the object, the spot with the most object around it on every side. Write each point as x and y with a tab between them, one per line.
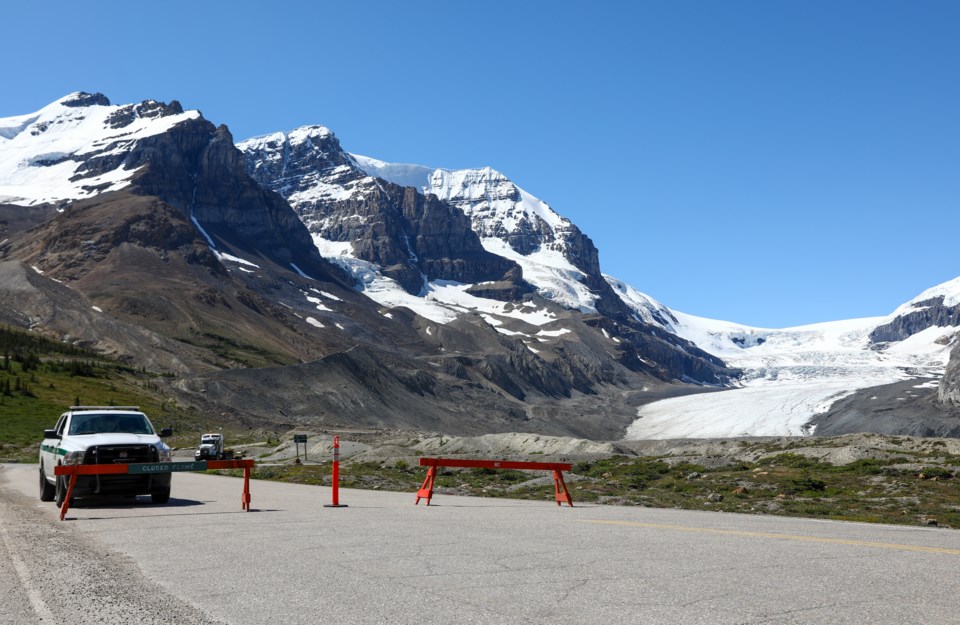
161	497
47	490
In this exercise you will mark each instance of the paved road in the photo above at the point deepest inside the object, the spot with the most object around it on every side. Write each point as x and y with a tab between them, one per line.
463	560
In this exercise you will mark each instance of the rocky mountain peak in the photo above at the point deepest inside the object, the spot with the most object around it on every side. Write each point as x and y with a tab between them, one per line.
78	147
413	238
82	98
148	109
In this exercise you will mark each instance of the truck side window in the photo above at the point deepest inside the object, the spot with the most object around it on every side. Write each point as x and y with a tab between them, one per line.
61	423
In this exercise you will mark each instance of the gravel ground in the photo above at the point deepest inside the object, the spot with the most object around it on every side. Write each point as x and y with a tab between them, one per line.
49	573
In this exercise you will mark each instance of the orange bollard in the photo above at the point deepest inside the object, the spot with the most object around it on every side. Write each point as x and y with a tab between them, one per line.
336	476
245	497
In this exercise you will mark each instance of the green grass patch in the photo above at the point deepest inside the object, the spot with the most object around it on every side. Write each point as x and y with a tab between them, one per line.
41	378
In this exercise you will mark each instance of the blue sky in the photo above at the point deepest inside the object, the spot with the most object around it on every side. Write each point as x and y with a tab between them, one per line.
769	163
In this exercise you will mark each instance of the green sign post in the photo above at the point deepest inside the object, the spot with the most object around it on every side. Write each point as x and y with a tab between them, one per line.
297	439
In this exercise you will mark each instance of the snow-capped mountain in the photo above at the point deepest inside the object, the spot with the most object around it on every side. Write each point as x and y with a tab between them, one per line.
76	147
458	242
554	255
308	167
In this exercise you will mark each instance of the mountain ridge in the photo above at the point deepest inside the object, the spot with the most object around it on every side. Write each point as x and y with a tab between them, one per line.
233	299
287	276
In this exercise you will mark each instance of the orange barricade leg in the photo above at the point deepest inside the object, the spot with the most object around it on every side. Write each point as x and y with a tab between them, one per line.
66	501
426	490
560	489
245	499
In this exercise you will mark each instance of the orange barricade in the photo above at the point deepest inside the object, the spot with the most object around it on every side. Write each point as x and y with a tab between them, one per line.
73	470
559	486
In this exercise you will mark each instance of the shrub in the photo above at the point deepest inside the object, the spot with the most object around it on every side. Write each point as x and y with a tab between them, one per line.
789	459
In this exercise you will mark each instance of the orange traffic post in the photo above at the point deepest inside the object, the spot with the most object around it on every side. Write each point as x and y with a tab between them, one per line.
336	476
245	498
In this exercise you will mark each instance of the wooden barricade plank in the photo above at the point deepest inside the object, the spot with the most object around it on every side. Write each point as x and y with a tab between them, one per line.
73	470
562	494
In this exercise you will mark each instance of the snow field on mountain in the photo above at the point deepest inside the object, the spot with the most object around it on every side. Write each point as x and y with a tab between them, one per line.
554	276
441	301
40	152
491	196
790	375
405	175
950	291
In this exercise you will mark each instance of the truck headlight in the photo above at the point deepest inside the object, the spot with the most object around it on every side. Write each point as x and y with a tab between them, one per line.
73	457
163	453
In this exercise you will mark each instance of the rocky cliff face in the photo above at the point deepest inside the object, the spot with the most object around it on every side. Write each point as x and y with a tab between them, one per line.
413	238
197	168
916	317
949	390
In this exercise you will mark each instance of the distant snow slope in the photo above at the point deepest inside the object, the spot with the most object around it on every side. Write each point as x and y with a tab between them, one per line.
789	375
42	154
441	301
405	175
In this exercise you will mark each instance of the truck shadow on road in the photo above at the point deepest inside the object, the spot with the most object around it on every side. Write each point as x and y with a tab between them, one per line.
132	502
129	503
159	511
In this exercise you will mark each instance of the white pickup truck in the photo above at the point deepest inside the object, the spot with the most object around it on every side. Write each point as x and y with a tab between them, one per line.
103	435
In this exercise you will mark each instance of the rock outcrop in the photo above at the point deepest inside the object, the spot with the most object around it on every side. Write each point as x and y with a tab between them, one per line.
920	316
949	390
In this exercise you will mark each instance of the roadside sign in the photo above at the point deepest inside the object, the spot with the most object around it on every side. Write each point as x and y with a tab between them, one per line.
297	440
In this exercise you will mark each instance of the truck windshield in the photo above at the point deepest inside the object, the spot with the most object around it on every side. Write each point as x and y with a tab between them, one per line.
97	423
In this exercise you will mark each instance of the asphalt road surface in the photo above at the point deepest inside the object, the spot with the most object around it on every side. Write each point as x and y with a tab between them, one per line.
200	559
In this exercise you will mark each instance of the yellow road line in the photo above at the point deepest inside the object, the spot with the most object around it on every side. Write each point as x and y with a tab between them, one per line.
746	534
